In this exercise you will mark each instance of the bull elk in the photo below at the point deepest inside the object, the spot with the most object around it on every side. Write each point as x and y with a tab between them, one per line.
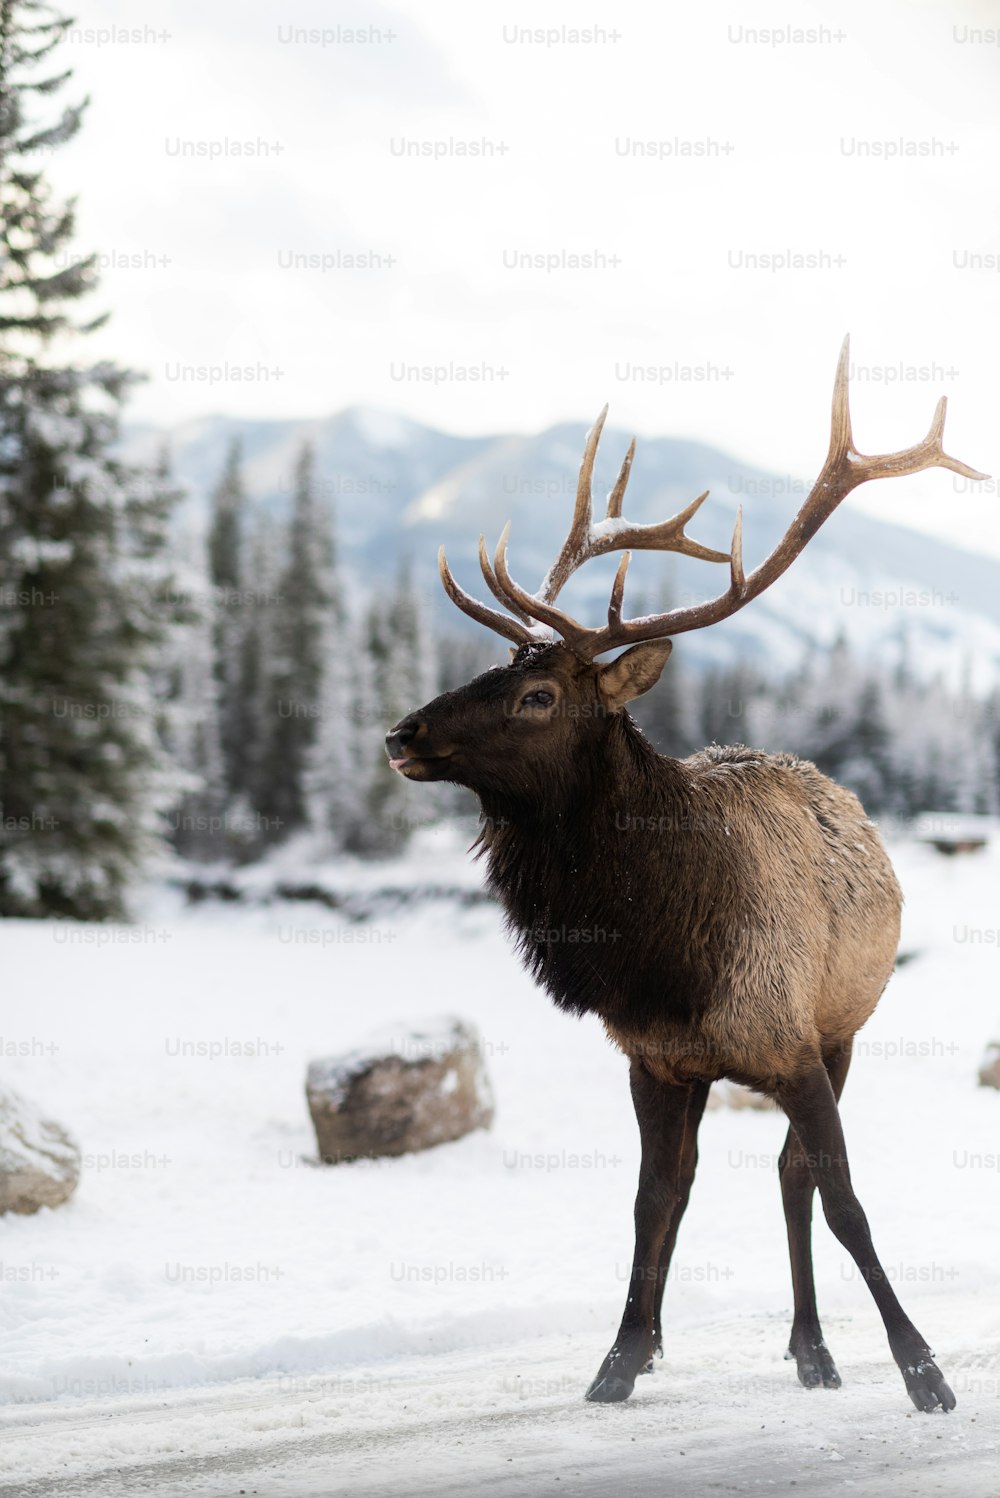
759	930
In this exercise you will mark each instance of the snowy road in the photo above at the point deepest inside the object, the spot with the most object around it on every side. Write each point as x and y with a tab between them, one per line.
725	1416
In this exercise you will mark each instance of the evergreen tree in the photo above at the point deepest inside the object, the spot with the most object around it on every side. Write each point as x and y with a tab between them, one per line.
226	567
990	731
86	602
972	759
461	657
338	758
200	817
404	675
865	764
334	768
258	648
727	700
302	635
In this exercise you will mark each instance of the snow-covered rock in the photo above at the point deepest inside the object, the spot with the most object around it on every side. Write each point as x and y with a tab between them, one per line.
405	1090
989	1070
953	831
39	1162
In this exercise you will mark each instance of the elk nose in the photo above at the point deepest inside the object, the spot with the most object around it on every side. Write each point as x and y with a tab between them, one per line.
398	739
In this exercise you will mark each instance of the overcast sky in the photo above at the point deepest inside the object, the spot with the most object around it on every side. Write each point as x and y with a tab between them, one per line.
684	153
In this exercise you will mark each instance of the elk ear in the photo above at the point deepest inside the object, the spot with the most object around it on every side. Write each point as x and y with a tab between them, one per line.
633	673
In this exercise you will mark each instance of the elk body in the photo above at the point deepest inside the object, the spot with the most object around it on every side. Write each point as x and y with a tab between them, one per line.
733	914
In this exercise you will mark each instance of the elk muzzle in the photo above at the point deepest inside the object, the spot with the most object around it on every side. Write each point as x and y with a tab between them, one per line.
398	740
408	751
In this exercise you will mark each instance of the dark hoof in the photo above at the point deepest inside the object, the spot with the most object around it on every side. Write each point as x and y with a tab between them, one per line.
617	1374
609	1390
815	1366
926	1386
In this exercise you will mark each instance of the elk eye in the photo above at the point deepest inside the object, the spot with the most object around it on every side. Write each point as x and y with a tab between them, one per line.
541	698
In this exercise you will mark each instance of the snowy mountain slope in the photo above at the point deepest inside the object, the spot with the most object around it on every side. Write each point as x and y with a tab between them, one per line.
370	465
402	488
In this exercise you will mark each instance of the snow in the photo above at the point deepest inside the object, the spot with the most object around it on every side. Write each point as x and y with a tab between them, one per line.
211	1306
27	1139
612	525
431	1039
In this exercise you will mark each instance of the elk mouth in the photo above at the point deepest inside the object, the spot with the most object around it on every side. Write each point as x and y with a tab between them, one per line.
409	766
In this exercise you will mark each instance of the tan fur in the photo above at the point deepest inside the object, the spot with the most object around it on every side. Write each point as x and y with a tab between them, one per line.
818	923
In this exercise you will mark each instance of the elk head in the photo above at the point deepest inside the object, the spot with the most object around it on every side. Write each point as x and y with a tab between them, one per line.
525	727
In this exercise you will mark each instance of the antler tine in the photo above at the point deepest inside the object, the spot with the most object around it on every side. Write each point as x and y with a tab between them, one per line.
585	541
618	492
736	574
934	440
536	607
929	453
584	500
494	586
668	535
511	629
841	436
574	548
618	592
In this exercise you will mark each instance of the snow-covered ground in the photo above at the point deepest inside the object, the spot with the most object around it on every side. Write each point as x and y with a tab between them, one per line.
212	1313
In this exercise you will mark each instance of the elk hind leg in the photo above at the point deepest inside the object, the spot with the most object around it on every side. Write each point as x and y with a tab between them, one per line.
812	1111
806	1344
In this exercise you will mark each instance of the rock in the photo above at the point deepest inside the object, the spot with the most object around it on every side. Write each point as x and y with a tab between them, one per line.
989	1070
733	1095
952	832
401	1092
39	1162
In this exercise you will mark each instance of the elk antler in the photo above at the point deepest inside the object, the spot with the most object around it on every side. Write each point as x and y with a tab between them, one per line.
845	469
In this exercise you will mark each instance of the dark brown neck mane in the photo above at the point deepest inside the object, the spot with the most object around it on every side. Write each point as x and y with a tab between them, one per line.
593	914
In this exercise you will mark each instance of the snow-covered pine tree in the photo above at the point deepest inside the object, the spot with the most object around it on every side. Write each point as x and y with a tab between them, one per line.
296	673
198	820
367	748
332	759
939	749
974	772
85	597
814	711
726	705
990	731
250	827
226	561
829	710
404	670
865	765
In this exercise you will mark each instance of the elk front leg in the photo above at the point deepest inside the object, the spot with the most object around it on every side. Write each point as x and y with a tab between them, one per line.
806	1345
665	1115
688	1165
813	1113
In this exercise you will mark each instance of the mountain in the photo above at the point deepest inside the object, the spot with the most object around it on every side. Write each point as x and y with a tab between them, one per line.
400	488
